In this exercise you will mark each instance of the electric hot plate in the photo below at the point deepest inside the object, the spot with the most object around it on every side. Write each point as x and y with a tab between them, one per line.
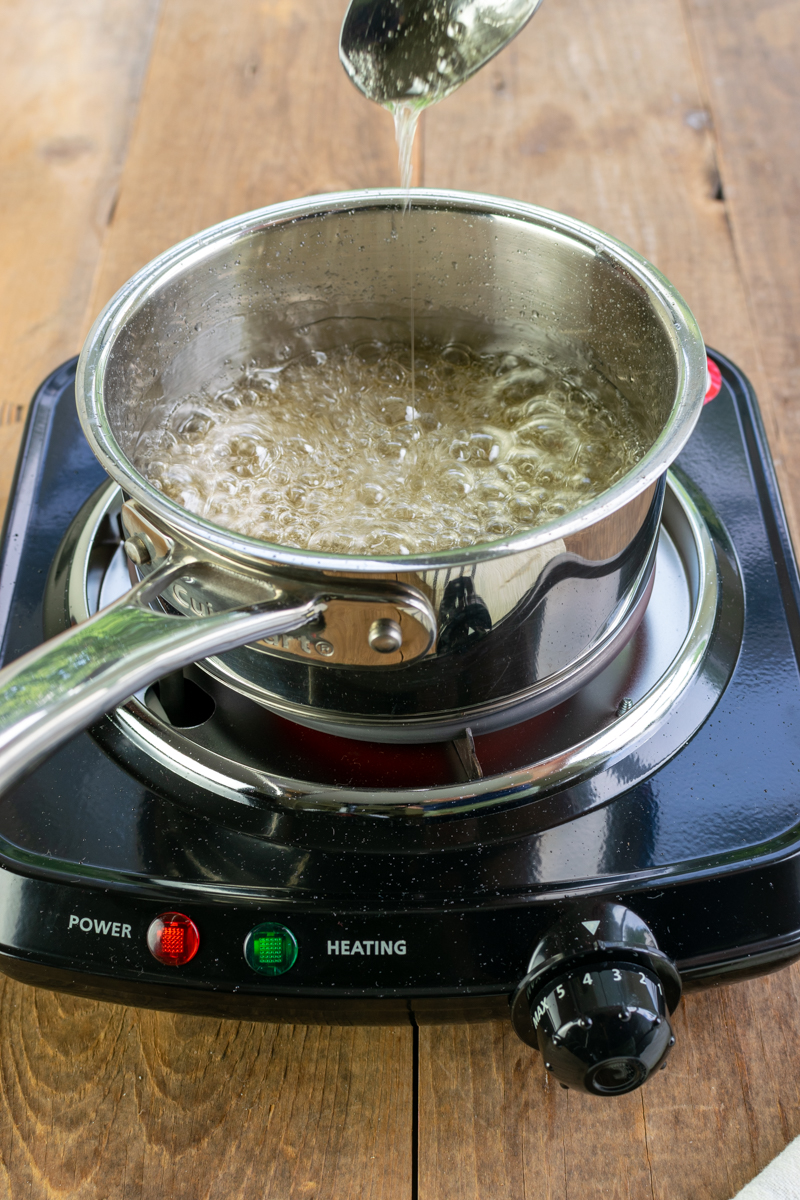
195	852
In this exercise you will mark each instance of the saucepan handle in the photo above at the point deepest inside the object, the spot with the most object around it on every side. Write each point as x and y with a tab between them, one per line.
64	685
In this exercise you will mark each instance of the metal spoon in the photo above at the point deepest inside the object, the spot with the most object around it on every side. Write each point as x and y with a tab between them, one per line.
418	51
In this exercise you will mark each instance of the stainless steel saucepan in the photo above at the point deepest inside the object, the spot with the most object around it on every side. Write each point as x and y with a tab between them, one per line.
409	648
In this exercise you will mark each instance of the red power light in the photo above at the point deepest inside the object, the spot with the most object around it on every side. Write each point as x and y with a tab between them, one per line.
173	939
714	380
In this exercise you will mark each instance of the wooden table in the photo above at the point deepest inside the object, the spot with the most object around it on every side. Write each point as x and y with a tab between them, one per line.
128	124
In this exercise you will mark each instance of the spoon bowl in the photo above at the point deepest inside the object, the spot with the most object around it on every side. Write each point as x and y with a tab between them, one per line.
418	51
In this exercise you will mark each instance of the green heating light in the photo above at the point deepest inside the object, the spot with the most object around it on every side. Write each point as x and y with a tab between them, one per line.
270	949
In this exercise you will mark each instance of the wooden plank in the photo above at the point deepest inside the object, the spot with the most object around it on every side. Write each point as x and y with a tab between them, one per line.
581	115
598	110
732	1085
492	1124
246	104
595	110
69	79
748	53
105	1101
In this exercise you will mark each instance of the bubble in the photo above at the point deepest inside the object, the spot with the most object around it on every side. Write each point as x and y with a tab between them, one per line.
520	384
372	494
499	528
338	451
456	355
522	512
457	483
506	363
369	352
195	426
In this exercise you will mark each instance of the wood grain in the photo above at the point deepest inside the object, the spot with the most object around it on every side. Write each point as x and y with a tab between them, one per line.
492	1123
606	112
748	55
104	1101
595	110
70	76
636	115
246	104
729	1100
100	1101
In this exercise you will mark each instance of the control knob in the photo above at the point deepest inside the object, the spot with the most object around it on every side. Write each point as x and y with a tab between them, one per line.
596	1000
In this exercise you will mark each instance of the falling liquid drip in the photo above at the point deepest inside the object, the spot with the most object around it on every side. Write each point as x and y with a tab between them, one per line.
406	116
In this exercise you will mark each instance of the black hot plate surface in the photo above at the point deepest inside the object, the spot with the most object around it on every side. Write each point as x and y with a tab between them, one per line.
707	849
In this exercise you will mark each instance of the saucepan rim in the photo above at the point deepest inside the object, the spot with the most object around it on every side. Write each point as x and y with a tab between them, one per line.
677	320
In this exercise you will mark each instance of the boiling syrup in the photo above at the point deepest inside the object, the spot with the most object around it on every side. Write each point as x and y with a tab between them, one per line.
341	452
